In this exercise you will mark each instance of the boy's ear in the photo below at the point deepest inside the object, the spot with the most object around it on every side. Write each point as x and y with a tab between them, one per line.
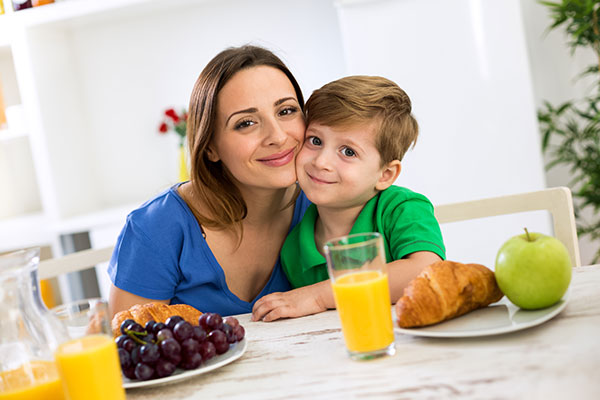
389	174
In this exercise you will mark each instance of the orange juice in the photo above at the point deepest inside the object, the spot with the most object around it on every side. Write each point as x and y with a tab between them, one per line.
32	381
89	368
363	302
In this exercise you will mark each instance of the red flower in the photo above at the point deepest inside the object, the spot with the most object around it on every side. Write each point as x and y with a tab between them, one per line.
163	128
172	114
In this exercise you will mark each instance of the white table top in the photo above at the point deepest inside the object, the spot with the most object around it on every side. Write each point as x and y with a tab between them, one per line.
306	358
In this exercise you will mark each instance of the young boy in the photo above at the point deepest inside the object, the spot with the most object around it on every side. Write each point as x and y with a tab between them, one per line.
358	130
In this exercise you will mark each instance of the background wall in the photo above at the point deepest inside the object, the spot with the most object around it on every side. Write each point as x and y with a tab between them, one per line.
554	71
95	84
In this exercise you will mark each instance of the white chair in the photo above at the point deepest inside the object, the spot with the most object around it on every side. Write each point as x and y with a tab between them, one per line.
73	262
557	201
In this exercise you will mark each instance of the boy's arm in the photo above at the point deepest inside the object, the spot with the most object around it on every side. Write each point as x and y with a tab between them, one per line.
318	297
299	302
401	272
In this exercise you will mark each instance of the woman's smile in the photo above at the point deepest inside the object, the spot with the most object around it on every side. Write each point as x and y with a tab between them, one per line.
279	159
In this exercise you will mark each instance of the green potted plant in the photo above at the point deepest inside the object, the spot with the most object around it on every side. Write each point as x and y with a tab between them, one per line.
574	126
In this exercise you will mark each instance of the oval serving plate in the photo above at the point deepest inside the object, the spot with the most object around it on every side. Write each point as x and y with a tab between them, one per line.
234	352
498	318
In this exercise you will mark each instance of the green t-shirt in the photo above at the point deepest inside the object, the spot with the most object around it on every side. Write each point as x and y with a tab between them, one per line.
404	218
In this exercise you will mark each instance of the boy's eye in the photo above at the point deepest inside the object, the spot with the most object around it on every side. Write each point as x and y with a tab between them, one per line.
315	141
348	152
244	124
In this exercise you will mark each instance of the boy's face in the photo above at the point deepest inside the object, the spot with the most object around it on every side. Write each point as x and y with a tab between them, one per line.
340	167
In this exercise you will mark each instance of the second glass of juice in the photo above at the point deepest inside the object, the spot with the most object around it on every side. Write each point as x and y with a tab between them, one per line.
88	363
358	272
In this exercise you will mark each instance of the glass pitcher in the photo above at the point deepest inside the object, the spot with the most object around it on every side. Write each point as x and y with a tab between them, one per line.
28	332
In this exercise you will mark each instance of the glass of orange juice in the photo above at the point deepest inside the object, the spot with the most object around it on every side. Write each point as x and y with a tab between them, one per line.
358	272
88	362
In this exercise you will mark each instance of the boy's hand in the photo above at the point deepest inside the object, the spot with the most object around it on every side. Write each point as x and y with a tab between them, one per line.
295	303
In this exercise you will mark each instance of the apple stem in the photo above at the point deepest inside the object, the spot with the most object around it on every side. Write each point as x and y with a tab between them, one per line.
527	234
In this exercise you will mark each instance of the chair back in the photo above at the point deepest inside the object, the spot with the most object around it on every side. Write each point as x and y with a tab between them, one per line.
557	201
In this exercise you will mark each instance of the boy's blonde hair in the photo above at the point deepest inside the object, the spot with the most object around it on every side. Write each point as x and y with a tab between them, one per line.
363	99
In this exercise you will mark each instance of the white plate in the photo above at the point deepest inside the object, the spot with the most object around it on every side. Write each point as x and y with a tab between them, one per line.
235	351
500	317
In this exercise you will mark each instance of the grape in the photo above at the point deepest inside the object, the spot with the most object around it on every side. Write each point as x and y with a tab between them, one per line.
125	325
189	346
128	344
119	340
164	334
202	320
135	327
192	362
164	368
135	355
231	321
214	321
182	331
207	350
217	336
228	330
149	327
169	348
124	359
129	372
143	371
158	326
149	338
199	334
239	332
149	353
221	347
176	359
172	321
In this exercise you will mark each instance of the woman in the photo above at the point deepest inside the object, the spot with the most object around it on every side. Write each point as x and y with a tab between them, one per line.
214	242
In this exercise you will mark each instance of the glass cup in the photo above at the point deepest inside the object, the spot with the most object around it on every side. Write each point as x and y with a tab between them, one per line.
88	362
358	272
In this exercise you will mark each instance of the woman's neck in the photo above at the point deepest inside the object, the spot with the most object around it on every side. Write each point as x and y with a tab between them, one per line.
265	206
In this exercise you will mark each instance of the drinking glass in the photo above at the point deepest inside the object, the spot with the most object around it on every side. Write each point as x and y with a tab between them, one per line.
358	272
88	362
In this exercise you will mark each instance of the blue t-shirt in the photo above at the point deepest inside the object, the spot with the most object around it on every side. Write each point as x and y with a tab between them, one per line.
161	254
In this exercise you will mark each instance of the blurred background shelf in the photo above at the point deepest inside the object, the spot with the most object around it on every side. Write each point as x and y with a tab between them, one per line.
94	77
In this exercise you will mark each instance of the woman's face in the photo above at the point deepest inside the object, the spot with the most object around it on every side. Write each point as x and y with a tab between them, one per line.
259	128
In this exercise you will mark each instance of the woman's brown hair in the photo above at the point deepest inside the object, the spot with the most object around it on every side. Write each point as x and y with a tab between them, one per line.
212	183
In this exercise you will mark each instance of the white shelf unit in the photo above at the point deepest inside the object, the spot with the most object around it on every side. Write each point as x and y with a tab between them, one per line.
94	78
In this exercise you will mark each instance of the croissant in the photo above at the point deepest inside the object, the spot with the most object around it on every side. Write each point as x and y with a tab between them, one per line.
158	312
445	290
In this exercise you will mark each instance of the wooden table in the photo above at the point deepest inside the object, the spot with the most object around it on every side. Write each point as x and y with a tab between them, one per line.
305	358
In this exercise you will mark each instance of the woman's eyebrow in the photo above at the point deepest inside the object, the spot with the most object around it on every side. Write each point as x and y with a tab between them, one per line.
253	109
247	110
283	100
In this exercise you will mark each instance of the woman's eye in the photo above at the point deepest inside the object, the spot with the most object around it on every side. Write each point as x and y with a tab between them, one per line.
244	124
315	141
348	152
288	111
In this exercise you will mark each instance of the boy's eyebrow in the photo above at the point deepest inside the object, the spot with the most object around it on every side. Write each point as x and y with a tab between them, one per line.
254	109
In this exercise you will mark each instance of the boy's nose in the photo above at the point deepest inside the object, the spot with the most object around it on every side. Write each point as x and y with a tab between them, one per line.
321	161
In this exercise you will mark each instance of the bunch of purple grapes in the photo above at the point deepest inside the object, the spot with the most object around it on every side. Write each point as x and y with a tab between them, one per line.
157	349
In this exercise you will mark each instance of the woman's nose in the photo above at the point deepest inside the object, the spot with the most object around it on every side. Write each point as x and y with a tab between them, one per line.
276	134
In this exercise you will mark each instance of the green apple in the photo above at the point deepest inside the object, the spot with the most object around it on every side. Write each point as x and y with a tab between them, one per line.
533	270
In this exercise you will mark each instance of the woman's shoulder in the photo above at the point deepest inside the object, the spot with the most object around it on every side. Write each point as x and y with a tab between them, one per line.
164	209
